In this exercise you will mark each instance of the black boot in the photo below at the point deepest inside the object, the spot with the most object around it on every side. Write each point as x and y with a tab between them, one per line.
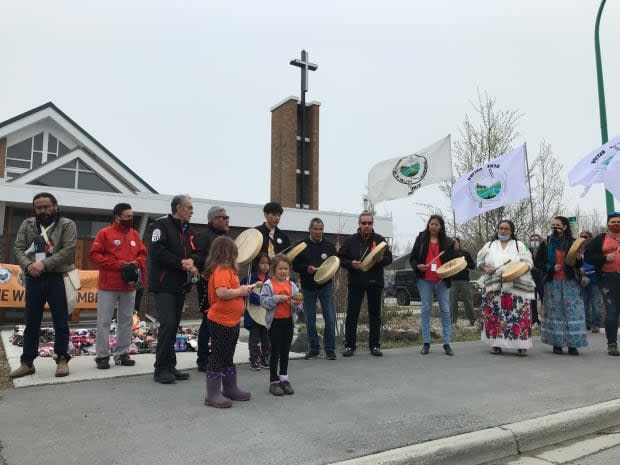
425	348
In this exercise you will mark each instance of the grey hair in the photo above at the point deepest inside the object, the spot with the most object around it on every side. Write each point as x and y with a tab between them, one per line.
213	212
315	220
178	200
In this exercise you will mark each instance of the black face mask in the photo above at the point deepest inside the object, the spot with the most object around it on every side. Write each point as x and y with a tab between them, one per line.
45	219
126	224
556	232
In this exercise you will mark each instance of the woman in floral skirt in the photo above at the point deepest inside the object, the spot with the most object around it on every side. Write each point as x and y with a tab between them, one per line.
507	322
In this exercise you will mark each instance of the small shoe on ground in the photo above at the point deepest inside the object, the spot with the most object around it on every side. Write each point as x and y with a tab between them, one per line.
496	350
612	349
330	355
276	389
164	377
287	388
103	363
312	354
179	375
557	350
447	349
23	370
426	347
573	351
254	366
62	368
348	352
124	360
376	352
596	329
264	363
522	352
201	366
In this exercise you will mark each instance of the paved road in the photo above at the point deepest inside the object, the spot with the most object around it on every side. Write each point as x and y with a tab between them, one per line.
342	409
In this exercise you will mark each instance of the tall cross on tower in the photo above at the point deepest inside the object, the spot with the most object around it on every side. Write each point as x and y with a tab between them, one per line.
305	66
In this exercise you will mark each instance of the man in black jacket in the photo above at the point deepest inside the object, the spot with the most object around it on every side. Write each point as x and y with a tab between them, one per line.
274	239
351	254
317	250
461	287
217	226
174	265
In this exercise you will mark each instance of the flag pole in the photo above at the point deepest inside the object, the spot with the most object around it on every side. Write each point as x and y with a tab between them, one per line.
529	185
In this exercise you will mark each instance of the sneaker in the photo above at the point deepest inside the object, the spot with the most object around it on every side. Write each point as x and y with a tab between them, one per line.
276	389
264	363
348	352
376	352
612	349
287	388
330	355
124	360
103	363
23	370
311	355
62	368
254	366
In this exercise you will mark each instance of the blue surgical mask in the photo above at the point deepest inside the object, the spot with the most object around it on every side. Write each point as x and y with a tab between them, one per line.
503	237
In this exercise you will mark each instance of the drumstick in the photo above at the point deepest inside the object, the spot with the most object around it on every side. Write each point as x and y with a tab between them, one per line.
435	258
363	255
505	263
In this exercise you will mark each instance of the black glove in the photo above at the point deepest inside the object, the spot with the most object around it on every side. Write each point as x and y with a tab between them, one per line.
130	273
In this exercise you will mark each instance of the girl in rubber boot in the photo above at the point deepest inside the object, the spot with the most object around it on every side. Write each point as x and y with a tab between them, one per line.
226	305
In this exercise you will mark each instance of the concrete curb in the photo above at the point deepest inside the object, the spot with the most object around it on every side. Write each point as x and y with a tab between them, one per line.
497	443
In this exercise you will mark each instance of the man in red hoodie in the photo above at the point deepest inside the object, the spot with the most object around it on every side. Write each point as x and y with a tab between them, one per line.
120	255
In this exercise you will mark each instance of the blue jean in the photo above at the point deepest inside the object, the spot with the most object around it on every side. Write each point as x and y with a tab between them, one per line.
425	288
325	295
592	304
50	288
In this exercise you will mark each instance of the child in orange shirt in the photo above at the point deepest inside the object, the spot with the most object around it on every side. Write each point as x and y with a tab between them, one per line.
227	303
281	298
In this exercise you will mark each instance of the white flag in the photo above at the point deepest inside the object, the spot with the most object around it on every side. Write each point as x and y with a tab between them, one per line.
591	168
402	176
499	182
611	179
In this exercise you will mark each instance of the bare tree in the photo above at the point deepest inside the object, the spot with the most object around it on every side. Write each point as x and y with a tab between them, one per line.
547	189
593	222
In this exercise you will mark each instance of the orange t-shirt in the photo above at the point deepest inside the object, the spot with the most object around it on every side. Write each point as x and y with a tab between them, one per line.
611	246
283	309
224	312
559	260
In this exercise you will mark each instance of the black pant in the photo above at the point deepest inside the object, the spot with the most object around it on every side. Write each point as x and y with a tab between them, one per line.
169	308
259	337
204	334
354	304
224	342
281	336
610	289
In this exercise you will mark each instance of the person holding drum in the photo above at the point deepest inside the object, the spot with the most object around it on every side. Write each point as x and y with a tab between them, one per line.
431	249
564	324
318	250
274	239
364	255
604	253
508	291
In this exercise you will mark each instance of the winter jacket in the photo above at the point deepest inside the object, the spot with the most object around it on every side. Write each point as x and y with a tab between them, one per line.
353	248
114	247
471	265
62	236
171	242
594	254
314	254
269	302
203	242
420	251
281	241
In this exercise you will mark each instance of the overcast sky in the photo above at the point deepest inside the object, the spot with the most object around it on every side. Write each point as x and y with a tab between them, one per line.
181	90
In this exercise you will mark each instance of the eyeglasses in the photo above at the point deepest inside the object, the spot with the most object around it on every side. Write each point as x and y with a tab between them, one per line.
224	217
366	223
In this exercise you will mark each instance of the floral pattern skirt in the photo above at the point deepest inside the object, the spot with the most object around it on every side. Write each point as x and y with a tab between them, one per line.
506	321
564	322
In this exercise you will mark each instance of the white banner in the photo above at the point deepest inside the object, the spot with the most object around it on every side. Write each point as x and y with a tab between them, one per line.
500	182
591	168
402	176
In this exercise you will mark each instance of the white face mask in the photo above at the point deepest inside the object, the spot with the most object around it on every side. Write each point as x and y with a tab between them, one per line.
534	244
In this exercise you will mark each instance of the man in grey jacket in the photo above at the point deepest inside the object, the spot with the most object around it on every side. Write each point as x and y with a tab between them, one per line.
44	249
